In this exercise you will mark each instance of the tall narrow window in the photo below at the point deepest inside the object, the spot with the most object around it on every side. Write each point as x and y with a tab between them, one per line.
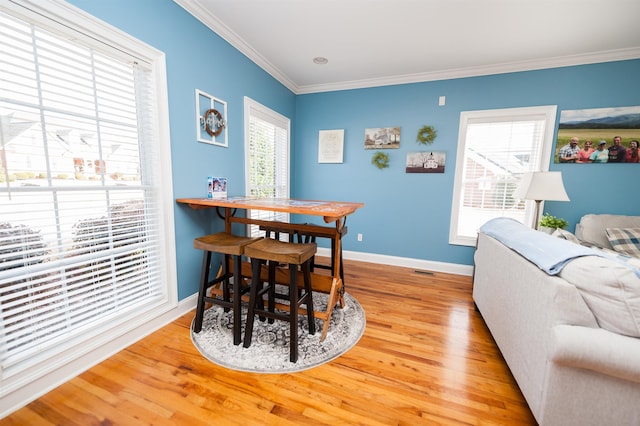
266	158
495	149
82	222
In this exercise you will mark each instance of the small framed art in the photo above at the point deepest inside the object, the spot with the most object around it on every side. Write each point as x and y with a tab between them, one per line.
331	146
382	138
426	162
211	119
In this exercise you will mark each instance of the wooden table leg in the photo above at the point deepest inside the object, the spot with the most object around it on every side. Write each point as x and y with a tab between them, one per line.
337	260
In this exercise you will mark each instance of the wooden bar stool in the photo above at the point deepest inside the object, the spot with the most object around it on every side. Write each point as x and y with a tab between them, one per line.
277	252
232	247
302	236
310	237
276	230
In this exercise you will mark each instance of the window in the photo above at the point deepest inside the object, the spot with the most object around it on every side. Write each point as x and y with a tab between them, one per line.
495	149
86	249
266	158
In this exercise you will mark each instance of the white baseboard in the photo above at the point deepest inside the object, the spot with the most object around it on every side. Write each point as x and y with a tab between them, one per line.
426	265
35	389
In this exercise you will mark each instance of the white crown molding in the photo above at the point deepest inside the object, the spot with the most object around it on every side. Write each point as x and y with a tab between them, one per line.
219	27
557	62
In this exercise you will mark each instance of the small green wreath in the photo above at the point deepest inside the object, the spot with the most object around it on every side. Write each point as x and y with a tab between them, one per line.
380	160
426	135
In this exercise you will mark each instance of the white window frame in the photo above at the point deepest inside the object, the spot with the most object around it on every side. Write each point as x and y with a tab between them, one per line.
72	23
282	187
541	163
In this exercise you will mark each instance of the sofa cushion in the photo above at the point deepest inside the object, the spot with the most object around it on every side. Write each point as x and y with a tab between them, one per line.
625	240
591	228
611	289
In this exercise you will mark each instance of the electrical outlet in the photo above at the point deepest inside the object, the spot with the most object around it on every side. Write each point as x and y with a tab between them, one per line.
359	237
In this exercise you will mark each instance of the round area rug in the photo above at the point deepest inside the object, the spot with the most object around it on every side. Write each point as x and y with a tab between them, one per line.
269	350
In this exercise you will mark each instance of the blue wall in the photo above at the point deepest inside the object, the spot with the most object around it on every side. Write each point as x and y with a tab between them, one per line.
196	58
406	215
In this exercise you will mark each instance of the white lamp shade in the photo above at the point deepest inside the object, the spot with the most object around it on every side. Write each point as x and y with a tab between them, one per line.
545	186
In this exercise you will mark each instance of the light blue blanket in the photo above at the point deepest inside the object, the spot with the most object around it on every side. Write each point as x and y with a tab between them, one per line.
549	253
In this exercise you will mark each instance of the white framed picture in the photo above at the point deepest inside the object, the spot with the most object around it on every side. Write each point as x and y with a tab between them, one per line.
211	119
216	187
331	146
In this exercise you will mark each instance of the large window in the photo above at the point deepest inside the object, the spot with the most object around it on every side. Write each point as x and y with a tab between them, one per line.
266	158
495	149
85	250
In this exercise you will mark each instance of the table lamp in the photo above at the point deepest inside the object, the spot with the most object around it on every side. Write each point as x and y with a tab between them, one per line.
541	186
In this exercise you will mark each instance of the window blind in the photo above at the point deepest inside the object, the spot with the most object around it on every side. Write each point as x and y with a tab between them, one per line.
496	148
80	210
267	165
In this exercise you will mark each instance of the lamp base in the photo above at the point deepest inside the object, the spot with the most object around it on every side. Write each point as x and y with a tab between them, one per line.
537	215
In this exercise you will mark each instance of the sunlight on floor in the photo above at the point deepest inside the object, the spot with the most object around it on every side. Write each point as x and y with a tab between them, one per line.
455	359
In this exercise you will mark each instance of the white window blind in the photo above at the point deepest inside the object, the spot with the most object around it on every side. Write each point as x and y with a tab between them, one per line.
267	158
495	149
81	239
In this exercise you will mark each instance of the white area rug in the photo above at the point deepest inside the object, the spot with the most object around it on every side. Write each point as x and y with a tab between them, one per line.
269	350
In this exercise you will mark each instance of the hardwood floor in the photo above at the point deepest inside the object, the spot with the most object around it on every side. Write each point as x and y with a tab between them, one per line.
426	357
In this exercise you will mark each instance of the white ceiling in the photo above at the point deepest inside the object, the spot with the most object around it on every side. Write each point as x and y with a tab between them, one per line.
379	42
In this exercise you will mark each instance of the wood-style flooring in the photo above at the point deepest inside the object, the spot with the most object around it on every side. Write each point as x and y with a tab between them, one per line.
426	358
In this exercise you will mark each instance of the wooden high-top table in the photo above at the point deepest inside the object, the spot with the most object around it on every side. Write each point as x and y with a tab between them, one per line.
330	211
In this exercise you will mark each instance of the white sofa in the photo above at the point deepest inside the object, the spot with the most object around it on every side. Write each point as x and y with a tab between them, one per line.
571	348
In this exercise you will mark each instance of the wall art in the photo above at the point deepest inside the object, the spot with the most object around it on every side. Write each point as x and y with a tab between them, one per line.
426	135
382	138
426	162
211	119
331	146
599	135
380	160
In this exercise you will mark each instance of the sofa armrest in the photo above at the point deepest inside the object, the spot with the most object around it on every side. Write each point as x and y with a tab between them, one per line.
597	350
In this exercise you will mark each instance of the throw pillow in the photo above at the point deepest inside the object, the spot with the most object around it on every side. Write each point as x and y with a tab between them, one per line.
625	240
565	235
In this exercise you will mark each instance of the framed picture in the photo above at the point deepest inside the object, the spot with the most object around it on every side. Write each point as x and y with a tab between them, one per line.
211	119
216	187
426	162
382	138
598	135
331	146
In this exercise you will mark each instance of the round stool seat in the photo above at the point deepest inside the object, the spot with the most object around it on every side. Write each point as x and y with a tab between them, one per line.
279	251
223	243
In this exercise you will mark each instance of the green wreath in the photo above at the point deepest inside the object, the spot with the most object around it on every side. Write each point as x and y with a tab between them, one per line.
426	135
380	160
